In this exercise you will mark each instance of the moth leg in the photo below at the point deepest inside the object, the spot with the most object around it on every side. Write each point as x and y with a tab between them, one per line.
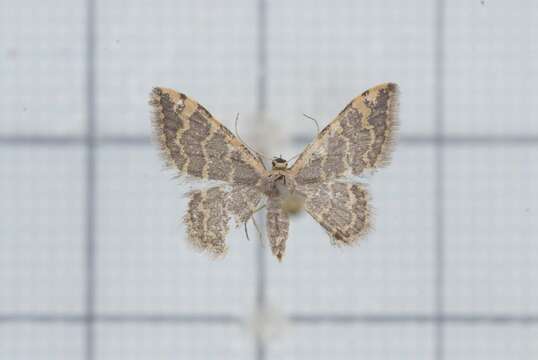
277	227
258	209
255	224
246	230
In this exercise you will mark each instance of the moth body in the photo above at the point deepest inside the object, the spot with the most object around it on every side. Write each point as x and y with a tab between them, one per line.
283	187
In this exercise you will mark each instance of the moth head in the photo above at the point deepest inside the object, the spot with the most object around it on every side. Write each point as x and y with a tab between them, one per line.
279	163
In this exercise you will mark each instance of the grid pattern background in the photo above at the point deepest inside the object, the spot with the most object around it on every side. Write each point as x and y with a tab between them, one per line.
93	263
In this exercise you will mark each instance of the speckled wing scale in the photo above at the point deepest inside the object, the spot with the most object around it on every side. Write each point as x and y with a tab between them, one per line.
360	139
199	147
209	212
207	220
341	209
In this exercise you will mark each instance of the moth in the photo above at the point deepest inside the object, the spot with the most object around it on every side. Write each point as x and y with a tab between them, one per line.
322	181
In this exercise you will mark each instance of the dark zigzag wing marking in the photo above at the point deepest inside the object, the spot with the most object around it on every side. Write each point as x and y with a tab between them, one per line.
197	145
360	138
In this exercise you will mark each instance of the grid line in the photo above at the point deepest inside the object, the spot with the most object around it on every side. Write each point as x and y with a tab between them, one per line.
89	339
446	140
261	98
438	66
295	318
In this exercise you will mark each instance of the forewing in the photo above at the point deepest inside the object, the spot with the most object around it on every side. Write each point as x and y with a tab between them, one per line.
360	138
277	226
340	208
197	145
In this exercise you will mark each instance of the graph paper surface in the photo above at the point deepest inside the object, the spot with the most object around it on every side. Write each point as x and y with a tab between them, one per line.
94	263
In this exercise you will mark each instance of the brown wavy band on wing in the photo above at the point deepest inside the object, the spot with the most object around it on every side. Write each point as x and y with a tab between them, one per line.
197	145
360	138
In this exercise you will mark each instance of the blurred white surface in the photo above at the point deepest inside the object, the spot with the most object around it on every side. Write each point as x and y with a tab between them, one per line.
41	341
491	61
42	67
205	49
165	342
491	342
491	230
371	341
42	211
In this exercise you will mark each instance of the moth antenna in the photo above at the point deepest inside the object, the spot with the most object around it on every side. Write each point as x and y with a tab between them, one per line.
317	128
314	120
257	228
254	222
246	230
295	156
246	144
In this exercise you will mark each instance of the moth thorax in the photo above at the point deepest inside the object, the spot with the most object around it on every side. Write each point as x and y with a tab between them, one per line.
279	164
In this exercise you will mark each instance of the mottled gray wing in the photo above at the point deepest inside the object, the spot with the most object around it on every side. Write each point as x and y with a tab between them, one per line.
341	208
360	138
197	145
209	212
242	202
277	226
207	220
